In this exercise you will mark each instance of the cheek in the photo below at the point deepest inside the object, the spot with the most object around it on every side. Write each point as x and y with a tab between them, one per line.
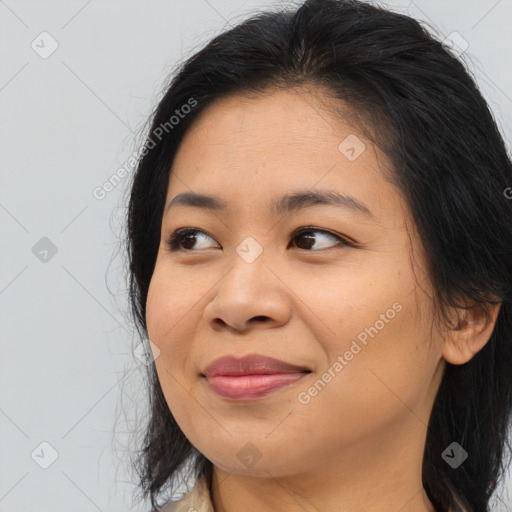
169	325
168	318
382	335
152	313
391	371
168	302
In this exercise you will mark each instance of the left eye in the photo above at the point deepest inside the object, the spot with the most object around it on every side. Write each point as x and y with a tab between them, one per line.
307	235
186	238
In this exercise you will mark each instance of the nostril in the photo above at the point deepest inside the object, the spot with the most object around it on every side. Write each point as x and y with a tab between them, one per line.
260	318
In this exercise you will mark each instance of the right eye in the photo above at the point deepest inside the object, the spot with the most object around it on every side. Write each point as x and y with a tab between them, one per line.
185	238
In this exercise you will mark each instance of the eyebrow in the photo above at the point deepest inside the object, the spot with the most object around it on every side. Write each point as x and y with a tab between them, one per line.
285	204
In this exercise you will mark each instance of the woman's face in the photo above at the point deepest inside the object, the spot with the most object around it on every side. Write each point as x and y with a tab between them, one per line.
247	282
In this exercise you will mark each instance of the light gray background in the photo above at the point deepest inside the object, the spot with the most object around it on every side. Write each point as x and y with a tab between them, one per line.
67	123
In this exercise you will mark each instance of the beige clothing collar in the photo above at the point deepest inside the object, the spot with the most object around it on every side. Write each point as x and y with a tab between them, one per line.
196	500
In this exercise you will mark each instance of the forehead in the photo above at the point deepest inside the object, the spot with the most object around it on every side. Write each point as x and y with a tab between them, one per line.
250	147
294	116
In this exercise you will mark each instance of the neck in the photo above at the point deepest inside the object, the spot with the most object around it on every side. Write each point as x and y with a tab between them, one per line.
379	476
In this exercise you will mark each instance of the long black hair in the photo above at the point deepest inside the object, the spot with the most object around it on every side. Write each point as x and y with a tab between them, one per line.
415	100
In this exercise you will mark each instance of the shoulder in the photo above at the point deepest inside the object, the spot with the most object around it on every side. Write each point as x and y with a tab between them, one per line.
175	506
196	500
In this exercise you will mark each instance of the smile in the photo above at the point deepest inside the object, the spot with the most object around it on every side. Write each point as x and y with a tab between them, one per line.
251	387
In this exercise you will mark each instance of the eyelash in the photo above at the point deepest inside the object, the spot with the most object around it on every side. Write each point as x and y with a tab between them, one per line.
173	241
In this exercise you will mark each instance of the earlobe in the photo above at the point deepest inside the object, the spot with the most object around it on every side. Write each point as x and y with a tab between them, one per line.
471	334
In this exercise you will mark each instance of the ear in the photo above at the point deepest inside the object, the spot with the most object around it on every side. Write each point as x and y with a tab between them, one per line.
472	332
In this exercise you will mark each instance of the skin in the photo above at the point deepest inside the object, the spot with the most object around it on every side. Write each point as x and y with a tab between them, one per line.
358	444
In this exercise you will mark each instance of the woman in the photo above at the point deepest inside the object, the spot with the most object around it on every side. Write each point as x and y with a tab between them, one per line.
320	242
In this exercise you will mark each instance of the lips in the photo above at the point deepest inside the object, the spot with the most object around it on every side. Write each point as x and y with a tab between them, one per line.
251	377
250	365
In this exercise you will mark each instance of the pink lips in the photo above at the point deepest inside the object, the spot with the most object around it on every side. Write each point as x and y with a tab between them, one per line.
250	377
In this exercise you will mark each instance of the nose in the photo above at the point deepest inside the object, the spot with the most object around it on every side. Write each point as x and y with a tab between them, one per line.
249	296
